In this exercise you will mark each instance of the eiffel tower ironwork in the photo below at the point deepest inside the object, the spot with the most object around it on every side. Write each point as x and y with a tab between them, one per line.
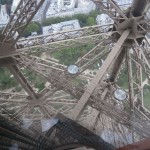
99	104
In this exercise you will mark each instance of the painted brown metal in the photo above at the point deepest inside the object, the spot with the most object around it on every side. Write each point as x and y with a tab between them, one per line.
138	7
22	80
99	77
141	145
129	28
22	16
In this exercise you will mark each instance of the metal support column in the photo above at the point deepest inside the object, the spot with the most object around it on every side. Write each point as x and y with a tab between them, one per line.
98	78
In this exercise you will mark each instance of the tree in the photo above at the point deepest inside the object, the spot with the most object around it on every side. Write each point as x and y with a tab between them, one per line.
83	19
5	80
49	21
94	13
91	21
1	29
3	2
70	55
32	27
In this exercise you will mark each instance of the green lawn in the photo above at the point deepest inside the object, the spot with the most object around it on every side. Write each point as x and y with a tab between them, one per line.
147	100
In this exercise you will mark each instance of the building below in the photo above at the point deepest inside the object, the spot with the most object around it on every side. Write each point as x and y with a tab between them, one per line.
14	5
62	26
63	8
124	2
103	19
4	17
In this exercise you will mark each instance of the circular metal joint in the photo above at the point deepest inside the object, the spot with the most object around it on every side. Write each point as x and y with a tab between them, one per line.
73	69
120	94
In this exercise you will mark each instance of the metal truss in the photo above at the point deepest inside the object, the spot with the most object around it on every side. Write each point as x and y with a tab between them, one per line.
61	40
109	109
121	45
65	35
111	8
44	107
19	20
76	136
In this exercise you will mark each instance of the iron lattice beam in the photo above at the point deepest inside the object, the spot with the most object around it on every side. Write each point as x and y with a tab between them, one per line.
22	80
111	8
98	94
21	17
65	35
108	109
99	77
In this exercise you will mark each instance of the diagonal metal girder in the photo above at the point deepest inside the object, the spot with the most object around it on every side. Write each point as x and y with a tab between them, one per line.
64	35
22	16
99	77
58	45
22	80
107	108
111	8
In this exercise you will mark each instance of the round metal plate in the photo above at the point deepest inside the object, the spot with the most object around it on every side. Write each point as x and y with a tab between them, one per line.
73	69
120	94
